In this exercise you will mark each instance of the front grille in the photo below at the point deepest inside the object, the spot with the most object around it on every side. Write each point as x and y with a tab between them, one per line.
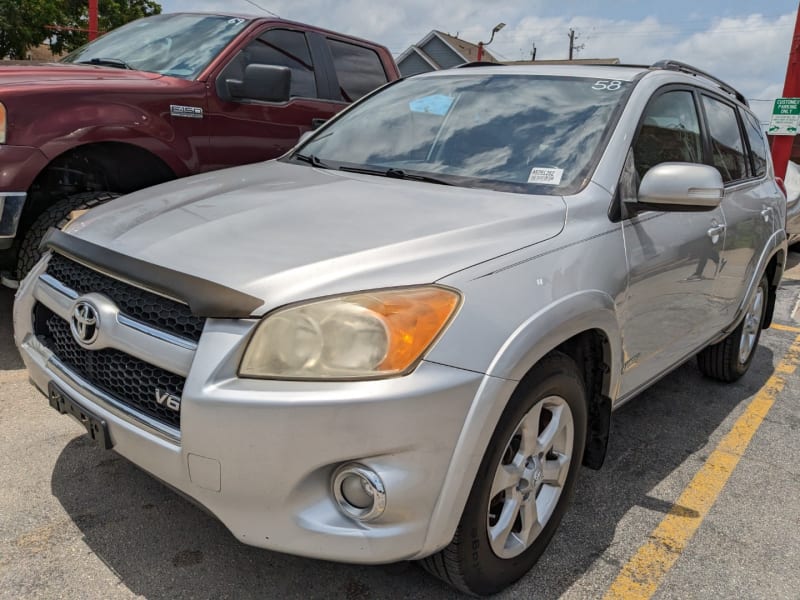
128	380
147	307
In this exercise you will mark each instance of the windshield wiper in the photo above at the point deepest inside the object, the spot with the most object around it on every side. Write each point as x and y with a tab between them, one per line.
107	62
396	174
312	159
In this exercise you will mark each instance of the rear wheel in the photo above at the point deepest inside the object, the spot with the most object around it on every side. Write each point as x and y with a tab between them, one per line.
524	483
729	359
57	215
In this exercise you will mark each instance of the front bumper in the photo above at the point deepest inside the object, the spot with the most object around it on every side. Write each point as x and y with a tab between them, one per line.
260	454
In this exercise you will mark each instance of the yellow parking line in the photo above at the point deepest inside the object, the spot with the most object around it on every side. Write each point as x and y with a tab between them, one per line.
780	327
643	573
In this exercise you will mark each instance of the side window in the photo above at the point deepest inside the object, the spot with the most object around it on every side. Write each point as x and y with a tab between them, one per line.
758	148
283	48
727	149
358	69
670	132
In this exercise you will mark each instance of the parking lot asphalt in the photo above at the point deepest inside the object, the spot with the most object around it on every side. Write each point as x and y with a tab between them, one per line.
80	522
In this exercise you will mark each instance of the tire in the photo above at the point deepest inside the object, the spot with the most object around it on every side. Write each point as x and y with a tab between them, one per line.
57	215
730	358
473	562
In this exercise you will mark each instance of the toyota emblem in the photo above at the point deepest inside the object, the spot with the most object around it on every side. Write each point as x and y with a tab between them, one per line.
84	323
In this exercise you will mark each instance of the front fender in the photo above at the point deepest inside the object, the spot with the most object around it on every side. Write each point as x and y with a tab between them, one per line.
532	340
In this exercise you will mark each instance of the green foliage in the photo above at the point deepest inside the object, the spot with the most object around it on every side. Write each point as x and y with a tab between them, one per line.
24	23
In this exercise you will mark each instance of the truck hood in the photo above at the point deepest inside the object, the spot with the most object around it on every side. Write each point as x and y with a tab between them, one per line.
283	232
26	72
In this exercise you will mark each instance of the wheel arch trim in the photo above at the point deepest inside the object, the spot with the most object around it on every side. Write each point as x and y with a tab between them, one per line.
530	342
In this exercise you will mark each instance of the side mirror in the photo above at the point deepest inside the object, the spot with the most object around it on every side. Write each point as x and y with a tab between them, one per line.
680	187
267	83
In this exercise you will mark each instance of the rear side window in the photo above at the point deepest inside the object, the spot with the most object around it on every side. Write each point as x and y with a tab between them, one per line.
758	147
727	149
670	132
282	48
358	69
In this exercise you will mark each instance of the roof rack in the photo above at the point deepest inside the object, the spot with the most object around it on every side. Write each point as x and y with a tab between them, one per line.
478	63
674	65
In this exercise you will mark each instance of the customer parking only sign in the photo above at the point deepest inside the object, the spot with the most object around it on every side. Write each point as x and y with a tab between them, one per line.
785	117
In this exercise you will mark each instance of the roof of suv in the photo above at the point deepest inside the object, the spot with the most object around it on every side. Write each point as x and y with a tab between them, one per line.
611	71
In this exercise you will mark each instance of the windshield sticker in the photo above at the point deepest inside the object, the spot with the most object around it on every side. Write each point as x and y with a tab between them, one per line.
545	175
235	21
437	104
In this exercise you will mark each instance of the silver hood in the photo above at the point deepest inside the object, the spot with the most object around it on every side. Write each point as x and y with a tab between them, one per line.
284	232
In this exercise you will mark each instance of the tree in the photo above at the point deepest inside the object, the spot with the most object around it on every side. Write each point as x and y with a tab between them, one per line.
25	24
112	14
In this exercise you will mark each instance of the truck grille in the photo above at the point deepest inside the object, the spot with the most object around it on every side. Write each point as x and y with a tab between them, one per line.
127	379
147	307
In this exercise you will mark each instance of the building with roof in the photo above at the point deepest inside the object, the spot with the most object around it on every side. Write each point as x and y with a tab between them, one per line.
439	50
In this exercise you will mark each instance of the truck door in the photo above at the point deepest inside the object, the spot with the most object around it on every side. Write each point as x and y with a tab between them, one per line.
247	131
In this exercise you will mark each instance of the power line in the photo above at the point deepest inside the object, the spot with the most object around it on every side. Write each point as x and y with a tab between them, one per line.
258	6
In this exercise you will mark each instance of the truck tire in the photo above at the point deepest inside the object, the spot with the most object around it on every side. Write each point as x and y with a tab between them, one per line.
57	215
729	359
507	524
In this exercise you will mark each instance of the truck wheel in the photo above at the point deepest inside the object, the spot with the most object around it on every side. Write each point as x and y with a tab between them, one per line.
523	485
729	359
57	215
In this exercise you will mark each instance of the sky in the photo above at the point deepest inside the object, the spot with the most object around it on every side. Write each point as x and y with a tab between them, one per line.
745	43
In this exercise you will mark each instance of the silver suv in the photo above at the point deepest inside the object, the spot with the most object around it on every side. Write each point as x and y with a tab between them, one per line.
402	339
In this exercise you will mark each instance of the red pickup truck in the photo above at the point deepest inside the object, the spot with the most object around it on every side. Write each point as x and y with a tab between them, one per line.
160	98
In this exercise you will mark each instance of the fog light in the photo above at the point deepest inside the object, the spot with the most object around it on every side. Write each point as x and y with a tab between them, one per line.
359	492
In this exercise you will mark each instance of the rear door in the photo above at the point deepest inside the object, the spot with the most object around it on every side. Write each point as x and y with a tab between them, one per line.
246	131
750	203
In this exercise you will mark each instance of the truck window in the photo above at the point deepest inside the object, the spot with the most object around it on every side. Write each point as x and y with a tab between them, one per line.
359	69
282	48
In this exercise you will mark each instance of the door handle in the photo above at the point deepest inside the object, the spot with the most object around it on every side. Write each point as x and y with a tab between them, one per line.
766	214
715	232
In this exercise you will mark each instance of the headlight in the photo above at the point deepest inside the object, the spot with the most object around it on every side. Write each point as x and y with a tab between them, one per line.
366	335
3	124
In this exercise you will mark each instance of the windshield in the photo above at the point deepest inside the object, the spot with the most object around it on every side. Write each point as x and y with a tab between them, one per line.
520	133
177	45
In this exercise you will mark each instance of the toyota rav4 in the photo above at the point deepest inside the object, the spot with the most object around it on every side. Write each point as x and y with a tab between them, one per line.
403	338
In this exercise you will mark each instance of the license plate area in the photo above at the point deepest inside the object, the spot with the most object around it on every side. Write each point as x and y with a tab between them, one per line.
96	427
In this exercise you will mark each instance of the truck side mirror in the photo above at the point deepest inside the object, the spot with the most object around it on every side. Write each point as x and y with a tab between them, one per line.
268	83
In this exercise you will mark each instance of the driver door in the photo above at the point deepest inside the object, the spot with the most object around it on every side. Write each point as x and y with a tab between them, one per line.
673	258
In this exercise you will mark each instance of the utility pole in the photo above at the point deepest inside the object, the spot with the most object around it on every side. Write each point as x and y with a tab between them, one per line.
782	144
533	52
92	19
572	47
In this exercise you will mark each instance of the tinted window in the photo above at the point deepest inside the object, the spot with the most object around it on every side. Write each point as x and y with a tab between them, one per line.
758	148
670	132
518	133
727	150
283	48
359	69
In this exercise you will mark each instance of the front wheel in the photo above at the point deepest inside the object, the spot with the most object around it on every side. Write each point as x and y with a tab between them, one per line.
729	359
58	215
524	483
